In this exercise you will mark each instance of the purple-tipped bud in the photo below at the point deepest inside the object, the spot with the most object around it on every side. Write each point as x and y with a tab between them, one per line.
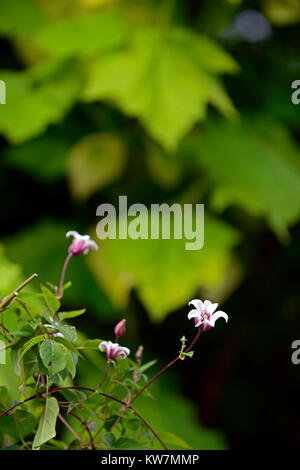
139	353
120	328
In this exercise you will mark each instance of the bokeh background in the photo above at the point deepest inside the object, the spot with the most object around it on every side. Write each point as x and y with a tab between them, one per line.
164	101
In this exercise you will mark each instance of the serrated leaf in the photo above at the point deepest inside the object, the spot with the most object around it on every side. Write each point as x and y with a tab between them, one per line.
253	164
163	79
82	35
189	354
163	272
20	16
71	367
33	102
46	429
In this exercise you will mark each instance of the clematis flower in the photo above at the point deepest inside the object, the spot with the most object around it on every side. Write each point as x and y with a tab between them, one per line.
81	244
204	314
114	350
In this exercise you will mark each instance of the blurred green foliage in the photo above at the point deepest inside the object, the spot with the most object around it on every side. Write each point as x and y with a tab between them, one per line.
153	100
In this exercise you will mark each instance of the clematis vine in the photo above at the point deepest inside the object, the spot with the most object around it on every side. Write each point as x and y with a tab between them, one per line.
114	350
204	314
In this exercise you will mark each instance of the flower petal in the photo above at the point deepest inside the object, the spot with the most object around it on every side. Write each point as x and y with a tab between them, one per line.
194	314
123	352
90	245
103	346
210	308
197	303
72	233
216	316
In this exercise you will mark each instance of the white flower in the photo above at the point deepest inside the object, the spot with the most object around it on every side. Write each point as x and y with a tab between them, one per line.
114	350
81	244
204	314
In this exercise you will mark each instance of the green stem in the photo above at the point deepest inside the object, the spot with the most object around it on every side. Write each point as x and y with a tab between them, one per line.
62	277
62	419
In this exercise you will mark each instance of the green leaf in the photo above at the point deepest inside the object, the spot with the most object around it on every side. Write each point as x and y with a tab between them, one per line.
51	301
71	367
94	162
189	354
164	274
147	366
82	35
68	345
30	343
92	344
71	314
46	429
18	425
253	164
109	439
36	99
174	442
20	16
164	78
128	444
53	356
44	157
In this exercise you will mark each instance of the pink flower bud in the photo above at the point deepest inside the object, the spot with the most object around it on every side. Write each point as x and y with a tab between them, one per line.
120	328
139	353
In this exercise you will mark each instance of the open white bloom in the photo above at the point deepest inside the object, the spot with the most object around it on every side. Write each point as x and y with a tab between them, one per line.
114	350
204	314
81	244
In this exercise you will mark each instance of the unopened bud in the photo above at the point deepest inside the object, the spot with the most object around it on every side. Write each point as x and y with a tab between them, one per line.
139	353
120	328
